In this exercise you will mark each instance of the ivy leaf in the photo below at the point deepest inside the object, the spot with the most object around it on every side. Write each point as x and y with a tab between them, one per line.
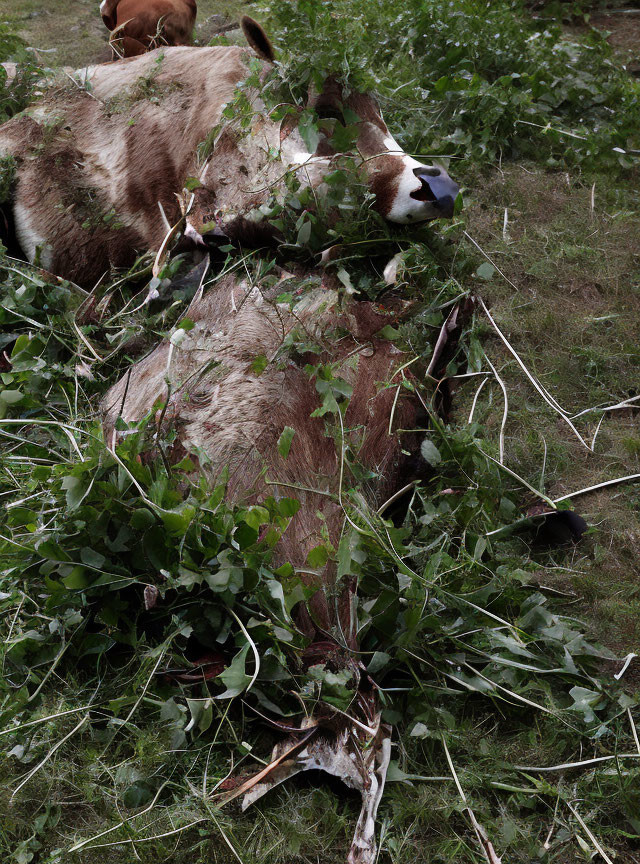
318	556
344	137
201	714
304	234
388	332
259	364
585	701
308	128
192	183
234	676
284	441
485	271
75	488
430	453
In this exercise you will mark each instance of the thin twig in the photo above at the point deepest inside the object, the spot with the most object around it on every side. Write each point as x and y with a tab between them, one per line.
584	491
493	263
541	390
49	755
483	840
590	835
506	407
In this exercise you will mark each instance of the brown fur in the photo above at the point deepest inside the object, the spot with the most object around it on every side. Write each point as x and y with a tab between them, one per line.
128	144
141	25
235	416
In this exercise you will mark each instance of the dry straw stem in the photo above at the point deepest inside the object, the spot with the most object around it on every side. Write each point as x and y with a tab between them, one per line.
506	407
627	479
253	648
483	840
122	824
493	263
44	761
261	775
133	840
443	337
37	281
633	730
475	399
548	398
590	835
47	718
626	403
582	764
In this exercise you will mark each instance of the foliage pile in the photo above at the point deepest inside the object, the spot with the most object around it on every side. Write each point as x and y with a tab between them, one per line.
469	79
114	565
15	92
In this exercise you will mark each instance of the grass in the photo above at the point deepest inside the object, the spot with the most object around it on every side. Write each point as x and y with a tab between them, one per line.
73	34
569	246
573	320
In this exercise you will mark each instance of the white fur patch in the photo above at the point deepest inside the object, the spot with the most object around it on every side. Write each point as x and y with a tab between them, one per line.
28	238
194	235
405	209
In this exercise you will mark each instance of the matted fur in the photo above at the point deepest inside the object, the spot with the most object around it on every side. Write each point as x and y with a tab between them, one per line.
220	407
101	166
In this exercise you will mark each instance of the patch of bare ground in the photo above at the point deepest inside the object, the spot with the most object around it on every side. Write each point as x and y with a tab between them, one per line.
622	28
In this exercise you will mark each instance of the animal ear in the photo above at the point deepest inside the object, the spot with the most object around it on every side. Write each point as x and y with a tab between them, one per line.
108	12
257	38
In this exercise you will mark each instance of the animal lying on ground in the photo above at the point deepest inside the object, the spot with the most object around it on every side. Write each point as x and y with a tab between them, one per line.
137	26
219	407
100	168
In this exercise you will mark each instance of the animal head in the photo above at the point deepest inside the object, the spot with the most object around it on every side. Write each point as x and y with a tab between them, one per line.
138	26
241	173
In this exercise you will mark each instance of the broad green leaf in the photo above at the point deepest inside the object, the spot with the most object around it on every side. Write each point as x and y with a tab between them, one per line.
318	556
284	441
485	271
234	676
430	453
308	128
75	488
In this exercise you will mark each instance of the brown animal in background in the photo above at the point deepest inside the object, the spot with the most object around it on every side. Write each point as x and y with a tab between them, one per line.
221	409
137	26
99	174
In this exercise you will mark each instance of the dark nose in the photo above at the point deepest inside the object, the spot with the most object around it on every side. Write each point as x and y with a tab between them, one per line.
437	188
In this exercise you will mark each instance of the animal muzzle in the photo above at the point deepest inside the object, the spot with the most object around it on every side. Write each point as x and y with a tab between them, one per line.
437	188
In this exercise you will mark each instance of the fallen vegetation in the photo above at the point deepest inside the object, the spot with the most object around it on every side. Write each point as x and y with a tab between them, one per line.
504	659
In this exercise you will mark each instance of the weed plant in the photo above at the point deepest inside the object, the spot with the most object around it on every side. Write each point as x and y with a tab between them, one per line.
114	564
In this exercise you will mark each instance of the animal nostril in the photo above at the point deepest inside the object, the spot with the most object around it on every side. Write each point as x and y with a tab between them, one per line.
423	171
424	193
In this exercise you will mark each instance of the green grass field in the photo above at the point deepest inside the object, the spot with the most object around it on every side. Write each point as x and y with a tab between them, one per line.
103	760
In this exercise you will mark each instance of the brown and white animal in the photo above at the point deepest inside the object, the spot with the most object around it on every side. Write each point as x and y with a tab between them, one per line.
101	168
137	26
222	409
